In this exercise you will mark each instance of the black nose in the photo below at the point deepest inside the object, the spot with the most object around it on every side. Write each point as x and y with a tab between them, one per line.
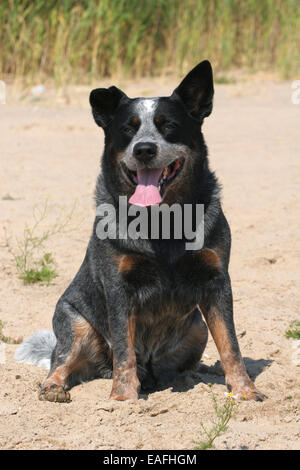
144	151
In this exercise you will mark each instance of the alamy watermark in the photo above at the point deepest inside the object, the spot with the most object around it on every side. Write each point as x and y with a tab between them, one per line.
296	94
132	222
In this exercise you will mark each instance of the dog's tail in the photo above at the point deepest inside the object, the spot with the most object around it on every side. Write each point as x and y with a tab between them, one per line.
37	349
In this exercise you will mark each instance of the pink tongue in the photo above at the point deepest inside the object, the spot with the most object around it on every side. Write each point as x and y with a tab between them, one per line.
147	193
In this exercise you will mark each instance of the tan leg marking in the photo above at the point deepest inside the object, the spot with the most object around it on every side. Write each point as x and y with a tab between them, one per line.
236	377
125	382
86	347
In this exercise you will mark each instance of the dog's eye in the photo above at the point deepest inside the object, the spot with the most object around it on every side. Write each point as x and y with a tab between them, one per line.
129	131
169	126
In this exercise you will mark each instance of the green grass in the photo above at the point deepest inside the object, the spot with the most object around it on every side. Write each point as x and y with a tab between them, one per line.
8	197
294	330
33	265
42	272
83	40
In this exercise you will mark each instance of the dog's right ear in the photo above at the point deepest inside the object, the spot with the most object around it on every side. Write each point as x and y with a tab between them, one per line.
104	103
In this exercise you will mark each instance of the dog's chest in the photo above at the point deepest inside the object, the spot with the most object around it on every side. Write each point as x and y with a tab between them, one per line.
156	286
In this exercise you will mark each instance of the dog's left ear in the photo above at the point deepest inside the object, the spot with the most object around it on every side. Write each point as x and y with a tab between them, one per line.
196	91
104	103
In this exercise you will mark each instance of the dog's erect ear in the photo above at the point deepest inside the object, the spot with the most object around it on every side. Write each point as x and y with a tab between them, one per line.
104	102
196	91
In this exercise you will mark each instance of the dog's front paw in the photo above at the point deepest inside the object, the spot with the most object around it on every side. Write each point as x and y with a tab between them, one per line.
54	393
245	390
126	395
123	390
255	395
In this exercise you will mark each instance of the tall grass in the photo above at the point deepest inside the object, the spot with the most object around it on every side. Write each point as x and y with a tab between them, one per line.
80	40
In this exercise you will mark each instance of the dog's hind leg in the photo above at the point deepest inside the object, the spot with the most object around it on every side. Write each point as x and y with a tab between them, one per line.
80	349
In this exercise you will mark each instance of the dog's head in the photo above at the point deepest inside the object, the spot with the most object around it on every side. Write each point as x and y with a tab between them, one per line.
154	144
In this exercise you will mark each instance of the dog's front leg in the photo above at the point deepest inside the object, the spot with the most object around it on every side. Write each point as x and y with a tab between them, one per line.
125	382
219	318
122	328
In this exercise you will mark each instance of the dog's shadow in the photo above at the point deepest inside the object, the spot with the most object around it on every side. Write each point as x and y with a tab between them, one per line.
207	375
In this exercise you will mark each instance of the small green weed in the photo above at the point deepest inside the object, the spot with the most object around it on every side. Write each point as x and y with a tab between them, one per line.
8	339
8	197
32	265
223	413
43	272
294	330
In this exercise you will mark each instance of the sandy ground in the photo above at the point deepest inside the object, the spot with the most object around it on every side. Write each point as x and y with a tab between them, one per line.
50	148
